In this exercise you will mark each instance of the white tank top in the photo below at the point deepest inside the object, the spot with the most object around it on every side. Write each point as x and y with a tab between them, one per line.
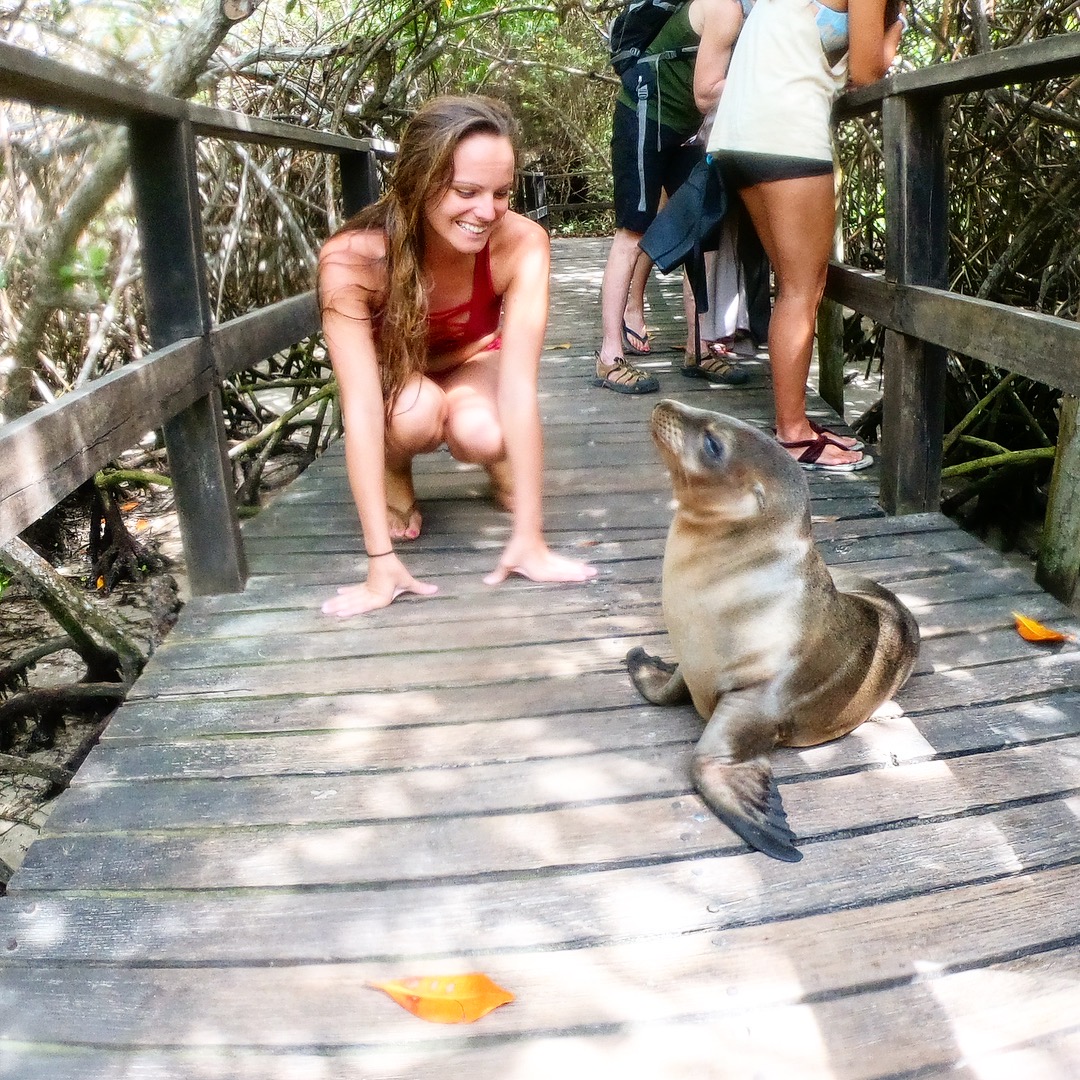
779	90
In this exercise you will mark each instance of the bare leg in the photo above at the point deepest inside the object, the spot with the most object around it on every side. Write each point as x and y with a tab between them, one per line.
416	427
795	221
634	312
618	274
611	367
690	312
473	431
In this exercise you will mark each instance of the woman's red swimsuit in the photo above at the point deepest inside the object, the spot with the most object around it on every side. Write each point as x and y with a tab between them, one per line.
472	320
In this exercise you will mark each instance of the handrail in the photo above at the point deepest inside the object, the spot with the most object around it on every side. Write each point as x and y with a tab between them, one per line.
46	83
922	317
47	454
1029	62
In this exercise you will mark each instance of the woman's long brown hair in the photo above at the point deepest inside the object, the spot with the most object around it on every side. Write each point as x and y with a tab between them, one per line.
423	171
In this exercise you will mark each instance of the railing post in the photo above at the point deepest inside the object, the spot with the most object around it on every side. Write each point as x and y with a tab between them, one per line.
1058	566
532	191
359	180
916	210
162	155
830	339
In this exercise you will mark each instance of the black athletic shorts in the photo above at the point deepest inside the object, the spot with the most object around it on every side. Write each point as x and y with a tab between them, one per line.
643	163
741	169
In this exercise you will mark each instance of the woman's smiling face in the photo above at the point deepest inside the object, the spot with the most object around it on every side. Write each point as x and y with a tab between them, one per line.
479	194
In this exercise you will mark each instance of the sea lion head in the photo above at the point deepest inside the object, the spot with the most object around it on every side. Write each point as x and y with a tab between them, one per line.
726	471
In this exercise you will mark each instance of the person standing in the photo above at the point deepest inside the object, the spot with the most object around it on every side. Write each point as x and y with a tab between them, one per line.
772	141
655	117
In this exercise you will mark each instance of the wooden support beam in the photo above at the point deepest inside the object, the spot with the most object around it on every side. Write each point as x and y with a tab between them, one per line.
1058	566
360	184
167	200
916	208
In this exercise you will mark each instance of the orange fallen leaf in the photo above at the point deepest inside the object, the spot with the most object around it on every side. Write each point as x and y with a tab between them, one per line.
129	505
1030	630
447	999
142	524
100	583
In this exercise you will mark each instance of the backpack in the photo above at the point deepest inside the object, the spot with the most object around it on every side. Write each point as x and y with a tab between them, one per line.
634	28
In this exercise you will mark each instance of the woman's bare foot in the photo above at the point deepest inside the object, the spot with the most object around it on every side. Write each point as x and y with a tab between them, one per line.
502	488
404	524
402	511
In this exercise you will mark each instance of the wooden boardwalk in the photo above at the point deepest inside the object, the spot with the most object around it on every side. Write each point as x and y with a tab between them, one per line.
288	807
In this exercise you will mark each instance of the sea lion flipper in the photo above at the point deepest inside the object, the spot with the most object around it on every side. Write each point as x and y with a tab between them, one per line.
745	797
656	681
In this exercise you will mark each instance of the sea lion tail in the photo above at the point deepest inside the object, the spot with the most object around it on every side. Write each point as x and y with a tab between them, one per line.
745	797
656	681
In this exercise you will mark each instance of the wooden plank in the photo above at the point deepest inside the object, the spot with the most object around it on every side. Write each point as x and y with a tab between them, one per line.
47	454
319	638
289	927
1027	62
558	659
242	342
38	80
402	790
240	127
319	845
233	626
1029	342
628	558
917	972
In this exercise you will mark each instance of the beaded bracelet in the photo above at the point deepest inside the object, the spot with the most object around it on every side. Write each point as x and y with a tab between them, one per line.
903	22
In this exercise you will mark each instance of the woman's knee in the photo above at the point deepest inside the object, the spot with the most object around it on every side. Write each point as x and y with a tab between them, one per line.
474	434
418	420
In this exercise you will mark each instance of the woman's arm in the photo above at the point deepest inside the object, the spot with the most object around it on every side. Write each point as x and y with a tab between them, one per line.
721	21
871	45
347	280
524	253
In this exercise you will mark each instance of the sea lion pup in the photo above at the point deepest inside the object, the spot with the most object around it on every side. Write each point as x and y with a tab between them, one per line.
768	650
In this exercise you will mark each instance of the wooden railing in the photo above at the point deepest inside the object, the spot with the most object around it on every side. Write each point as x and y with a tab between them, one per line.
923	319
48	453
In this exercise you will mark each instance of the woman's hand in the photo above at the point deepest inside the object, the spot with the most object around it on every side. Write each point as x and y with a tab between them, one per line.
387	579
536	561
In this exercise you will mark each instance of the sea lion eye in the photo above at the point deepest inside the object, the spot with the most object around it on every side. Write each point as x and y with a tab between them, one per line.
714	449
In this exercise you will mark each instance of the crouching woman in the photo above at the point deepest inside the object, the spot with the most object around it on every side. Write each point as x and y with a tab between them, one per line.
434	303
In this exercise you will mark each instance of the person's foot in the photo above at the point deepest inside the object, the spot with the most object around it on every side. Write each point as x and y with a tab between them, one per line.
848	441
623	378
723	349
820	453
404	524
714	369
402	512
636	341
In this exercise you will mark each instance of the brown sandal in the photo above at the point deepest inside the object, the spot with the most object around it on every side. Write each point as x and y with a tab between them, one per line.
624	378
715	369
